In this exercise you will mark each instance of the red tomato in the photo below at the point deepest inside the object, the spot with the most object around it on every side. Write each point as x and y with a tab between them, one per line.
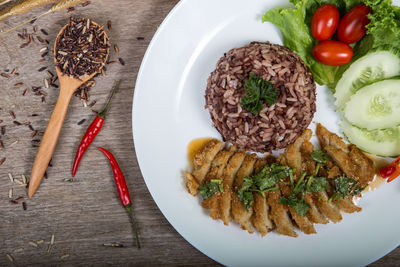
325	22
352	26
333	53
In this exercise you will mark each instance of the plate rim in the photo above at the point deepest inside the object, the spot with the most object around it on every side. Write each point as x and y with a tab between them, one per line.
146	56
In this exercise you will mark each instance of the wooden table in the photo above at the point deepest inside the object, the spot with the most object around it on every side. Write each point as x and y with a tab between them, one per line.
83	214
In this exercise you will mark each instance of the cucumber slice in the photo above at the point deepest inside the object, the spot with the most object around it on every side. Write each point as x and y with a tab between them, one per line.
385	142
370	68
375	106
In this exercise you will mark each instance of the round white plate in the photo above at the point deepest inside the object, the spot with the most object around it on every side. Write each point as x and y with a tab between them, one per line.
168	112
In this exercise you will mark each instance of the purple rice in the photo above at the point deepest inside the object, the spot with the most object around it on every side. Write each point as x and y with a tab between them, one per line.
82	48
12	114
276	126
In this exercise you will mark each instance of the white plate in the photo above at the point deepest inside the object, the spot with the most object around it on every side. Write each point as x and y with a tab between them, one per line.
168	112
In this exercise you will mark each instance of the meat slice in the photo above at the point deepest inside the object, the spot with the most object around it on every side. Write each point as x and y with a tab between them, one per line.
304	224
216	171
239	212
347	205
292	153
191	184
314	214
334	172
261	218
330	210
276	214
298	155
365	166
279	215
202	160
228	178
352	161
326	138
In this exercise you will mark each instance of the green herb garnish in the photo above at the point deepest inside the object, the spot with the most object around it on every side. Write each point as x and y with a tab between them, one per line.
304	184
258	90
320	156
344	186
211	188
268	179
319	184
298	204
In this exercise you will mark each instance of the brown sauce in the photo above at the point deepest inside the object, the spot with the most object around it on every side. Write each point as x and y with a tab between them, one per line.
378	180
195	146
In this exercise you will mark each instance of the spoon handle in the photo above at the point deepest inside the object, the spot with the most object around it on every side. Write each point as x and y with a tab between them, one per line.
49	140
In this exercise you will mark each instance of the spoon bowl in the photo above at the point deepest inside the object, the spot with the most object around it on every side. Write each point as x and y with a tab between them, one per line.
68	86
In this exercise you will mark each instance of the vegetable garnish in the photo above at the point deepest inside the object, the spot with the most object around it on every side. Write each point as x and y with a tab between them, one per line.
352	26
344	187
92	131
207	190
271	176
391	171
303	186
320	156
325	22
258	90
298	204
295	25
122	189
268	179
332	53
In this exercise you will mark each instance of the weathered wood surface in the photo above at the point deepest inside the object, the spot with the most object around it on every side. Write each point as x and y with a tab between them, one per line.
85	213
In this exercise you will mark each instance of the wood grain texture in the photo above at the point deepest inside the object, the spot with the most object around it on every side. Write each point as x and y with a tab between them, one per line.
85	213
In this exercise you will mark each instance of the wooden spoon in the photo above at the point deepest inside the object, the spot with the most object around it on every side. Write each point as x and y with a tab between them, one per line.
68	86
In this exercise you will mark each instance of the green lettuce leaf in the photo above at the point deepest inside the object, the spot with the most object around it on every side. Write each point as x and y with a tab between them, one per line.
294	23
385	23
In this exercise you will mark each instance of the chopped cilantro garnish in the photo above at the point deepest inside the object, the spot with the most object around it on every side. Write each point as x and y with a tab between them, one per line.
209	189
268	179
320	156
298	204
258	90
344	186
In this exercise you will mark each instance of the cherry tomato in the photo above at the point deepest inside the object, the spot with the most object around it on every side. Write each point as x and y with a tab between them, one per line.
387	171
352	26
325	22
333	53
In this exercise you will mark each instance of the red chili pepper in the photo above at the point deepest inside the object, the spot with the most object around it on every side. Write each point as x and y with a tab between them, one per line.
387	171
391	171
92	131
395	174
122	189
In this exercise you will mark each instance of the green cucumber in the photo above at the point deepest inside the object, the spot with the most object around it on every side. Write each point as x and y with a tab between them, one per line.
375	106
383	142
368	69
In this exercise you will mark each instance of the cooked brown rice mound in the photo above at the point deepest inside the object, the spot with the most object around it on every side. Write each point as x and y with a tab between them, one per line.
276	126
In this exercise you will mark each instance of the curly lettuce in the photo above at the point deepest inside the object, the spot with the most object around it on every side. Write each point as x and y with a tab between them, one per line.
294	23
